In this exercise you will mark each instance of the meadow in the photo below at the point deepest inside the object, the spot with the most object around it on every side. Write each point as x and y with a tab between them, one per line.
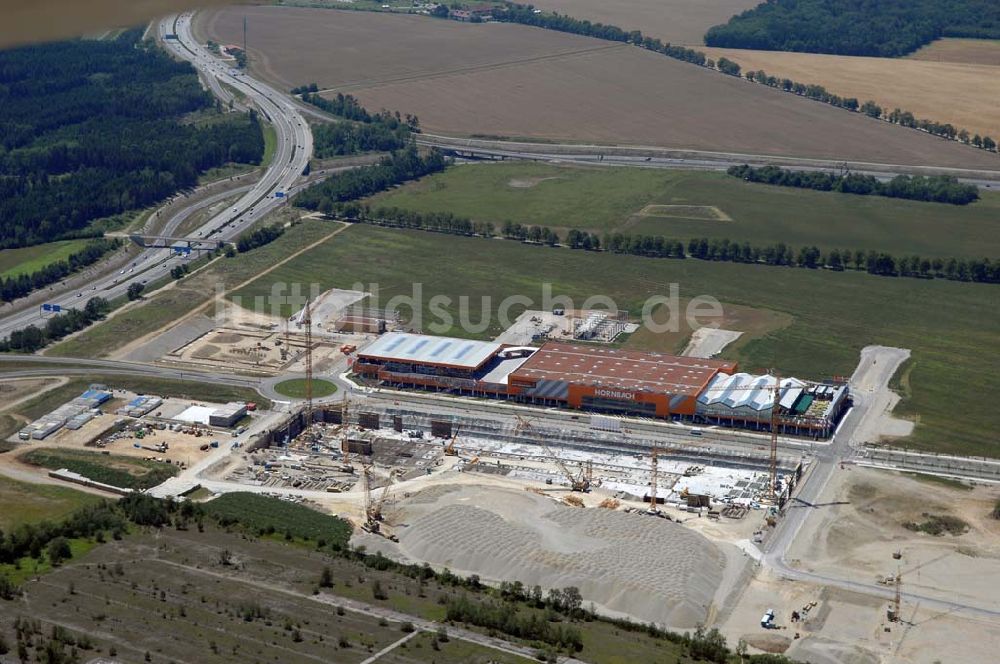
952	328
25	260
29	503
608	199
116	470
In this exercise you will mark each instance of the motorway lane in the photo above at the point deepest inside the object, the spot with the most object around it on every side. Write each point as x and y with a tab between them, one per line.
49	366
293	151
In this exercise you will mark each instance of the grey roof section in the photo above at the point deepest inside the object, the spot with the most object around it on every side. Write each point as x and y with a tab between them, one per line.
549	389
425	349
742	391
502	371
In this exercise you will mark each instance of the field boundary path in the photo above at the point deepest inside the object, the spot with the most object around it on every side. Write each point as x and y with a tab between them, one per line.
364	608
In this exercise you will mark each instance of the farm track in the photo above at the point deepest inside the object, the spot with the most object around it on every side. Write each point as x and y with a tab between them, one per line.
370	83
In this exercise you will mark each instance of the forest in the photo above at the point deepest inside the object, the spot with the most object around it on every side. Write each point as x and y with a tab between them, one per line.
887	28
91	128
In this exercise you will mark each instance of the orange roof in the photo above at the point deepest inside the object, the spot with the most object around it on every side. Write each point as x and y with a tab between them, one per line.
601	366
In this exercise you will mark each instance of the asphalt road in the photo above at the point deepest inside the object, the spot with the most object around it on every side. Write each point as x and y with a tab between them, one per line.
659	157
283	174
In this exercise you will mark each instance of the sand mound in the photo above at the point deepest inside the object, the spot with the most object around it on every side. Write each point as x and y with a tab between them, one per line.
649	568
772	643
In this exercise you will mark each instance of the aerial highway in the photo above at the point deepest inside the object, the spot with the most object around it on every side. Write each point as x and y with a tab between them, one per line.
638	156
283	174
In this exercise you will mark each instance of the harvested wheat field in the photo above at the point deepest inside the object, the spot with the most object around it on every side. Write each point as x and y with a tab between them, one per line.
650	568
682	22
963	94
968	51
516	81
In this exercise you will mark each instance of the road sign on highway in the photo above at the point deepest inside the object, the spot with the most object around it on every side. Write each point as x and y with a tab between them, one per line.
51	308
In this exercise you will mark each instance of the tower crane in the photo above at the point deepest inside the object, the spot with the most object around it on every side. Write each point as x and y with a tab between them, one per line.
345	413
305	318
775	390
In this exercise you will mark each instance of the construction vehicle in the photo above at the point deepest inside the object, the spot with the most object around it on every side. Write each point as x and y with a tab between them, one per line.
449	449
374	506
580	482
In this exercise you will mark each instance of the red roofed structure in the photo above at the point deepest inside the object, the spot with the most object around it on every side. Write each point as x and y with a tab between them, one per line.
614	380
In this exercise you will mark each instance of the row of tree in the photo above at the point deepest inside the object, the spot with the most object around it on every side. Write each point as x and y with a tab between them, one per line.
937	189
349	108
33	338
887	28
526	15
93	128
393	217
395	168
869	108
657	246
506	618
12	288
259	237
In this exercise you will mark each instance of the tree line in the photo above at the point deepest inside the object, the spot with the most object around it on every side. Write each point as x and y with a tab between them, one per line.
366	131
869	108
511	608
259	237
937	189
33	338
887	28
349	108
505	617
12	288
525	14
658	246
91	128
395	168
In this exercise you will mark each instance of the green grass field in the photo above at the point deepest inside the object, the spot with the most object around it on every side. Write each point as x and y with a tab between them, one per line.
28	503
295	388
116	470
952	328
608	199
14	262
270	145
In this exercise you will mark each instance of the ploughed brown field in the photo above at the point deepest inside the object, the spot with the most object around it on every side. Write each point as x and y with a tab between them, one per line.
516	81
964	94
676	21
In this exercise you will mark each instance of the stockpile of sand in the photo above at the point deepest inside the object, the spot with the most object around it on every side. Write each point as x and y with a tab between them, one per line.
646	567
